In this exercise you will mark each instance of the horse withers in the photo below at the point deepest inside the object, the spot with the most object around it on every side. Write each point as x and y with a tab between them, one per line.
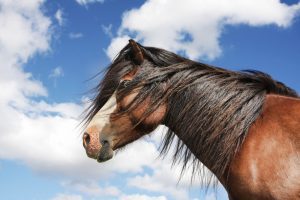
243	126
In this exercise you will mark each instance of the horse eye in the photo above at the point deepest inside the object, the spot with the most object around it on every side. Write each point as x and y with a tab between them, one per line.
123	83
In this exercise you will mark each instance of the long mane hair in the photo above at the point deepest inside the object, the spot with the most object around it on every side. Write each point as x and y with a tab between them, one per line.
208	107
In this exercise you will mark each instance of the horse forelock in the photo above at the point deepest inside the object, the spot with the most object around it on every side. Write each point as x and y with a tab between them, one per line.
109	83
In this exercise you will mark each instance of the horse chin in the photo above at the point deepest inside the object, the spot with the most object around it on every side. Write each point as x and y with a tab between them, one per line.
105	153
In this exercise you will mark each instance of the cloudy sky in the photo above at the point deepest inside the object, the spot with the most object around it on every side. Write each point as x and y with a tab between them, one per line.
50	50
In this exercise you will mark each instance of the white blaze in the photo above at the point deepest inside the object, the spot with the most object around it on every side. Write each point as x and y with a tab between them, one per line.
102	117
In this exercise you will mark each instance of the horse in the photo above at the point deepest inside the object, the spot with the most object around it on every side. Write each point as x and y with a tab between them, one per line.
244	126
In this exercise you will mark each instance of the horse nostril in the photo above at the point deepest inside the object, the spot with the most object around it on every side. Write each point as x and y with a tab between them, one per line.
104	142
86	139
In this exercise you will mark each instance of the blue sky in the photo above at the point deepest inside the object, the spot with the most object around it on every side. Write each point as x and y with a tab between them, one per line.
50	49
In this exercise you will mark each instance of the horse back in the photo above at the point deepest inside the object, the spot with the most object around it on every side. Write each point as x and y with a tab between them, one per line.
268	163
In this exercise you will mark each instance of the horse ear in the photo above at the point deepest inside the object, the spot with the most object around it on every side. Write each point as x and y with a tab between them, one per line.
138	55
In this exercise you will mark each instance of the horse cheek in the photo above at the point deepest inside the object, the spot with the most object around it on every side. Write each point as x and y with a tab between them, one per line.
155	118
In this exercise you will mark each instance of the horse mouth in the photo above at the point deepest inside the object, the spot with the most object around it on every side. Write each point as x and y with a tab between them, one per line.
105	153
104	157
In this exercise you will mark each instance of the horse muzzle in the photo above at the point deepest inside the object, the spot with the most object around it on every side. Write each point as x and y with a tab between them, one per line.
106	152
96	148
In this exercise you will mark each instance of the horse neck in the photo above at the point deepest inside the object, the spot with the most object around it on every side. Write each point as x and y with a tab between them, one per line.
189	143
179	128
199	126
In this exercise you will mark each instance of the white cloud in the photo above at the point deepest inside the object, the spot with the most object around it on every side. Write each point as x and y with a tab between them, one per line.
149	183
141	197
164	180
59	17
121	197
195	26
75	35
108	30
91	188
56	72
24	31
67	197
86	2
35	132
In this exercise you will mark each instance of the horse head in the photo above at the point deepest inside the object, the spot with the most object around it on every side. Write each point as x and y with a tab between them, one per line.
128	113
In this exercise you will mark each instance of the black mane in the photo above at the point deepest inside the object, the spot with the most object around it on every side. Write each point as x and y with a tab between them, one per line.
208	107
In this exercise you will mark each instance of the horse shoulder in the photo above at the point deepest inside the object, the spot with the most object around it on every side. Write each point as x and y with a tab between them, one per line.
268	163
